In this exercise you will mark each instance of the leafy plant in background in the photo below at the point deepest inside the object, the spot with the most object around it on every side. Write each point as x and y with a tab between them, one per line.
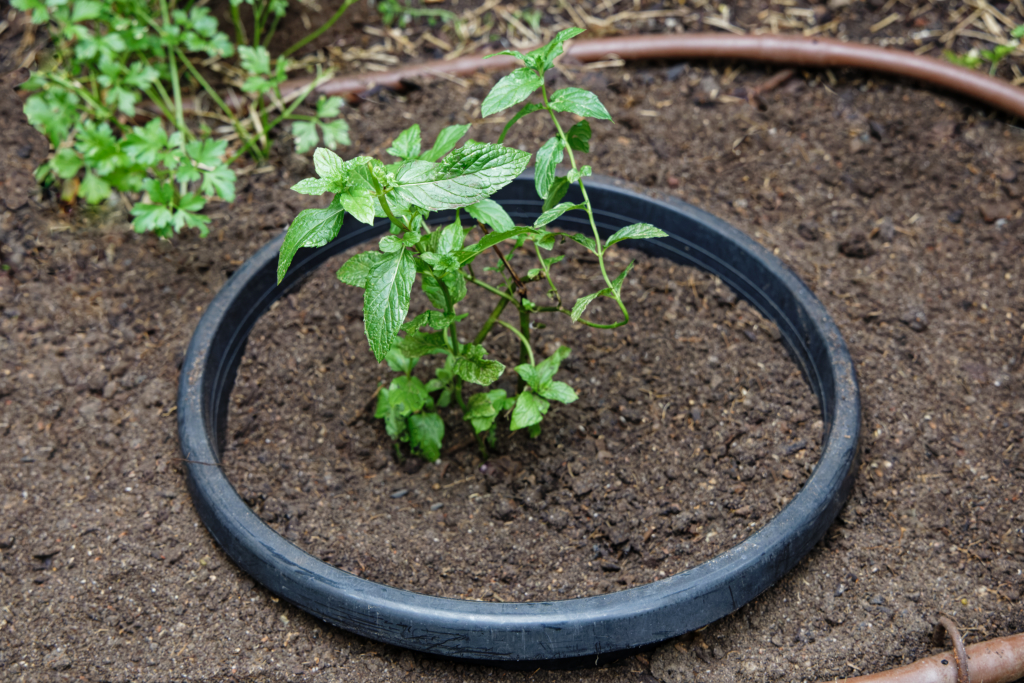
394	12
111	56
976	58
463	179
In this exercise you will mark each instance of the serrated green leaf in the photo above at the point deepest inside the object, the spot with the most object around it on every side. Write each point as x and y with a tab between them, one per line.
617	282
456	284
329	107
466	176
433	319
530	410
511	90
306	137
86	10
559	391
254	60
221	182
147	144
579	137
66	163
581	304
587	242
473	367
446	141
490	212
575	174
407	144
543	58
553	213
407	395
483	408
94	188
426	432
316	186
355	271
311	228
415	344
390	244
527	108
637	231
207	152
358	203
548	157
386	302
399	362
329	165
556	192
449	239
488	241
152	218
579	101
335	133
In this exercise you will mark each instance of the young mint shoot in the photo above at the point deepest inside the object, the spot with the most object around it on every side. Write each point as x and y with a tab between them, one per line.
441	258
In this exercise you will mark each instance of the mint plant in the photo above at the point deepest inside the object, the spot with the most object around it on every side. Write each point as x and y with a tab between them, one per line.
441	258
110	56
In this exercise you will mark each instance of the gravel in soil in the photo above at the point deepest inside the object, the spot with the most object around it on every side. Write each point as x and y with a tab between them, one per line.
106	573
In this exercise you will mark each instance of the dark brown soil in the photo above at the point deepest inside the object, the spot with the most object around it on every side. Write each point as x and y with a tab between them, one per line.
899	207
692	430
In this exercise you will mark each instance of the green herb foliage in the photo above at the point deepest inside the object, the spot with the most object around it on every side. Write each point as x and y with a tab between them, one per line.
117	61
975	58
441	259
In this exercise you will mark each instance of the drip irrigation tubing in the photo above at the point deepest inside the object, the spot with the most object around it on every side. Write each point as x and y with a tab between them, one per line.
793	51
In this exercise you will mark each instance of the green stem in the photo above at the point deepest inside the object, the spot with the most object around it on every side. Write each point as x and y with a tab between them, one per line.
240	37
547	274
450	306
493	318
272	31
85	94
317	33
273	124
489	288
522	339
215	97
257	21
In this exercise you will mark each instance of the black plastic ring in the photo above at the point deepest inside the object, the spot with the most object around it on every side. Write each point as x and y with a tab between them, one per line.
583	631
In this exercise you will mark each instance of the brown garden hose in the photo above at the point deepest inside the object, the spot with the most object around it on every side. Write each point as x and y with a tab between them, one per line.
1000	660
787	50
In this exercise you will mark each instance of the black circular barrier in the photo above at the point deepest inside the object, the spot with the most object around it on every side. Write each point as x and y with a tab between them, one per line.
577	632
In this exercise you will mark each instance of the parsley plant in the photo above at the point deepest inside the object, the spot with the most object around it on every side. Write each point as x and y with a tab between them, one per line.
441	259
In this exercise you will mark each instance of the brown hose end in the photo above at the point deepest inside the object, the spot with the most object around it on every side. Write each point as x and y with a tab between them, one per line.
963	674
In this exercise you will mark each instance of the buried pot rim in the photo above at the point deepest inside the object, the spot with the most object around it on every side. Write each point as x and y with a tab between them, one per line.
580	631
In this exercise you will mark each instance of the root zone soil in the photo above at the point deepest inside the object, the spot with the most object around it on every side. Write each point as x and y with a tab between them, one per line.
901	210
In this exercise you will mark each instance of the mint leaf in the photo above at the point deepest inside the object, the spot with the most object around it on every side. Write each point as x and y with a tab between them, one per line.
529	411
483	408
455	283
316	186
407	144
359	203
416	344
490	212
472	367
355	271
543	58
528	108
432	319
386	303
399	362
578	101
548	157
581	304
426	432
468	254
305	136
587	242
553	213
329	165
559	188
575	174
511	90
579	137
617	282
446	141
637	231
407	395
464	177
311	228
559	391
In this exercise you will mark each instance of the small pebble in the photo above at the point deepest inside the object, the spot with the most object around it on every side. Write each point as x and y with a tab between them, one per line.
436	506
399	493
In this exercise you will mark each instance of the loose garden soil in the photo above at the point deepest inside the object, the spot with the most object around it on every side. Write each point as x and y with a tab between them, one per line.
899	207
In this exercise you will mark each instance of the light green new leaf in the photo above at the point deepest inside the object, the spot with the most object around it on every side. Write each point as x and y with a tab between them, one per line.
311	228
416	344
335	133
67	163
548	157
483	408
329	107
587	242
398	362
466	176
446	141
581	304
407	395
578	101
511	90
329	165
254	60
553	213
305	136
454	281
86	10
617	282
530	410
355	271
221	182
527	108
426	432
490	212
359	203
94	188
432	319
543	58
316	186
386	302
575	174
450	239
637	231
559	391
472	367
407	144
579	137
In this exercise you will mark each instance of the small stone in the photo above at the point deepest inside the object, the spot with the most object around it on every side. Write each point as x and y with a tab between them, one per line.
915	320
808	230
610	566
857	247
777	640
399	493
157	392
672	181
742	511
876	600
955	216
1007	173
558	519
788	474
860	510
436	506
840	589
990	213
109	389
504	510
57	660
